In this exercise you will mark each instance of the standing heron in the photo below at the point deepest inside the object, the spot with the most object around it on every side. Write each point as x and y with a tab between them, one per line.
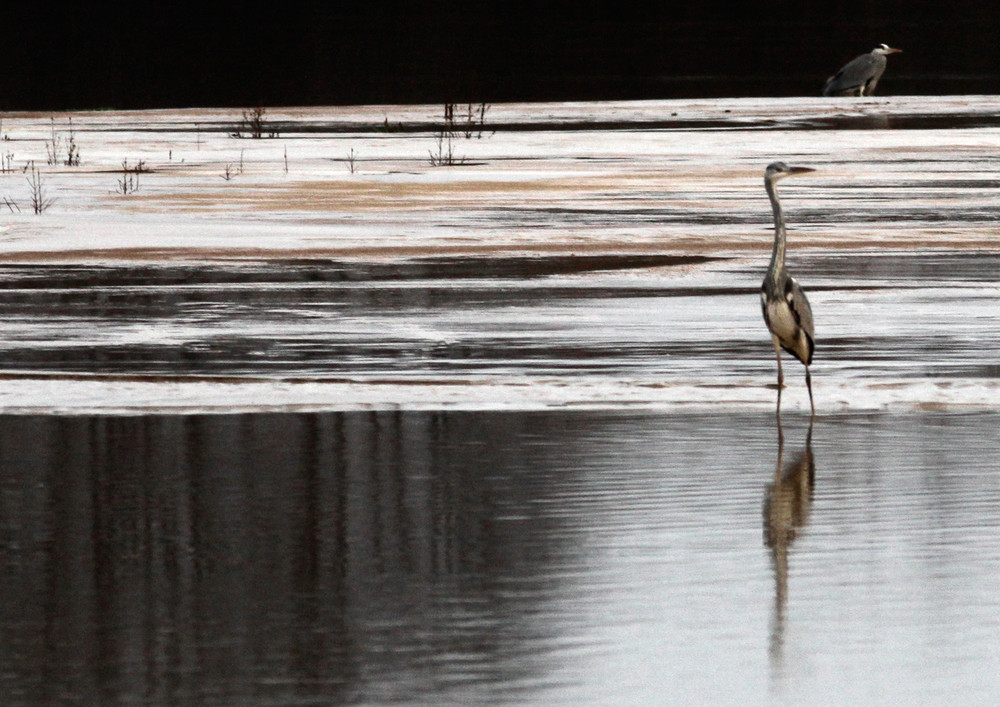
786	309
860	75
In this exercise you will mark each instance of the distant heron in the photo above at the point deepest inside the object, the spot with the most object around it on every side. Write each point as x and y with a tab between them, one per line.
786	309
860	75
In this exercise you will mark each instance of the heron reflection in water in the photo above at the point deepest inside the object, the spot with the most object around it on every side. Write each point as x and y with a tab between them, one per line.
787	501
786	310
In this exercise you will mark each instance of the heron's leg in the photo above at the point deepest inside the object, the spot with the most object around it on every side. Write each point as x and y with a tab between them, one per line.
809	385
777	355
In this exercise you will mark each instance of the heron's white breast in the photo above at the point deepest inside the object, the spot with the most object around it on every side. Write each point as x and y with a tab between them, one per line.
781	321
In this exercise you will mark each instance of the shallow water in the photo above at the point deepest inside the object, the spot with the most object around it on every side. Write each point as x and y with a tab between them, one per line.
885	323
505	557
584	254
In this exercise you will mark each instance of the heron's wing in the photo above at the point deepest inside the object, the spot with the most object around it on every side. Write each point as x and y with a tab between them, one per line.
796	298
858	73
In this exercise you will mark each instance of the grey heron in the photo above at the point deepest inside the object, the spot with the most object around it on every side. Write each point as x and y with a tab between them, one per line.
784	304
860	75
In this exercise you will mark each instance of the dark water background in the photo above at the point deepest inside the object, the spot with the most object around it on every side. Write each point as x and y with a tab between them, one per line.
510	557
98	57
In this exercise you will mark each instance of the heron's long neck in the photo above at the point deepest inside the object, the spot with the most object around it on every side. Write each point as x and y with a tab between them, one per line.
778	252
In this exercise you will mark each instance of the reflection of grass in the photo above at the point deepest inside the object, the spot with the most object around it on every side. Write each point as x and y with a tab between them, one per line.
54	148
129	181
444	155
387	127
230	171
40	201
254	125
474	120
467	122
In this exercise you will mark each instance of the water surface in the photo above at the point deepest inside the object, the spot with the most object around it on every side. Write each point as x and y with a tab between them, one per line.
507	435
508	557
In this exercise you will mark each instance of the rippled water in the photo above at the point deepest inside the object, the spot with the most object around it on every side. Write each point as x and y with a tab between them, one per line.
640	322
511	558
313	318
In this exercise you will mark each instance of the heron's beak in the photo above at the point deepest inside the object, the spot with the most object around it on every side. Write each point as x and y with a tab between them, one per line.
894	51
800	170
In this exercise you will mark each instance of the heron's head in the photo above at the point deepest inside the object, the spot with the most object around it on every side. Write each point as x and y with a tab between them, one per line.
780	170
885	50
